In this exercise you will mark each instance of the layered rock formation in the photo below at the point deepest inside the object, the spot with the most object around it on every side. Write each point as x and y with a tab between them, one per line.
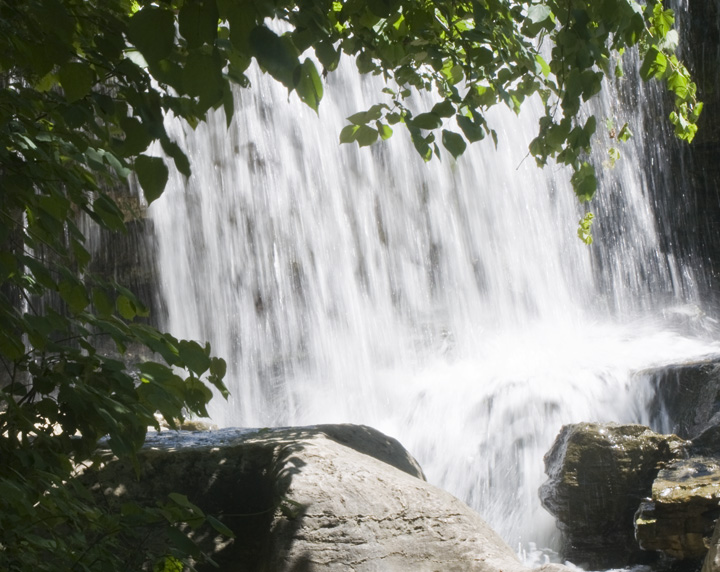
680	516
598	474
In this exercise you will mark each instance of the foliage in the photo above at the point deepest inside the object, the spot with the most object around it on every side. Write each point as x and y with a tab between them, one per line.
75	114
477	54
85	88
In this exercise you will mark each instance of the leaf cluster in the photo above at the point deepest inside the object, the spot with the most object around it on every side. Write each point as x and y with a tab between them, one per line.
77	116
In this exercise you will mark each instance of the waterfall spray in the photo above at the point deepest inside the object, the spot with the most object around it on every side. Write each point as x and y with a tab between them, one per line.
448	304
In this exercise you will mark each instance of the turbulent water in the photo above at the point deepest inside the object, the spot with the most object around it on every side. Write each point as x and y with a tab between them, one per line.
448	304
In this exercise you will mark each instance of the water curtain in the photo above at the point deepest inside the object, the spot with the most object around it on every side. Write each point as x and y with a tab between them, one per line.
449	304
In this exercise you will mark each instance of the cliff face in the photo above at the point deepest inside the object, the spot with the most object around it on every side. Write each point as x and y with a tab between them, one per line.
698	163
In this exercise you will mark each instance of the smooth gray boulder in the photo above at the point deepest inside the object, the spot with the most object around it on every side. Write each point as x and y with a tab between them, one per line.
324	498
598	473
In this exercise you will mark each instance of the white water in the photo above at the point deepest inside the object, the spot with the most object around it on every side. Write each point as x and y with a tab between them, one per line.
449	305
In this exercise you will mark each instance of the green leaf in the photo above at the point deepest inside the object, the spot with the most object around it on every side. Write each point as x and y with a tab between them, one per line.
152	173
108	212
183	501
276	55
329	57
662	20
202	77
654	64
194	356
198	22
125	307
182	163
219	526
454	143
77	80
363	117
228	107
182	542
584	229
538	13
218	367
383	8
625	133
472	131
584	182
421	144
102	303
444	109
152	31
543	65
678	84
168	564
384	130
74	295
428	120
56	205
308	84
137	136
11	345
349	133
365	135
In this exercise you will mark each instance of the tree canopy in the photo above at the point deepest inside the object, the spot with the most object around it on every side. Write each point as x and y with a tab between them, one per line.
86	85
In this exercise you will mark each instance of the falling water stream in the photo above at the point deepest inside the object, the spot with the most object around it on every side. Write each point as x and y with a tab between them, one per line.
449	304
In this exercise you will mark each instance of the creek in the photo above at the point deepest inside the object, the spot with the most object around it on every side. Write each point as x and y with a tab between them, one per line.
448	304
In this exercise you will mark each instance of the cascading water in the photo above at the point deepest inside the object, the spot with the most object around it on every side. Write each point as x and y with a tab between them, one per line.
450	305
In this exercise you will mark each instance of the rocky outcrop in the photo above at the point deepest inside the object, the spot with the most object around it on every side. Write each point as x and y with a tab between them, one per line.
330	498
679	518
597	476
687	398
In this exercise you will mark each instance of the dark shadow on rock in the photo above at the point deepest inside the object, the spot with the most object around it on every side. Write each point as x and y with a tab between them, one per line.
302	564
372	442
687	398
244	485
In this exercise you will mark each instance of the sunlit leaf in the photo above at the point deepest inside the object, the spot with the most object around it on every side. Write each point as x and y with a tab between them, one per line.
308	84
584	182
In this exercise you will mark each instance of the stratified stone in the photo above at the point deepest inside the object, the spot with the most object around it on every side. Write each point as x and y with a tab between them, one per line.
598	475
679	519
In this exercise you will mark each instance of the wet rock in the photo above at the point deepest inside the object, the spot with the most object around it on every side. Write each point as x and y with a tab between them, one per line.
712	559
687	398
679	519
330	498
597	476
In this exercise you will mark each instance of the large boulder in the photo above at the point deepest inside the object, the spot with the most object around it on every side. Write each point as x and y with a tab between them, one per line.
330	498
680	516
597	476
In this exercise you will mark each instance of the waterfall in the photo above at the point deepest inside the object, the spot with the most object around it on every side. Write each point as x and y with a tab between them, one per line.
449	304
